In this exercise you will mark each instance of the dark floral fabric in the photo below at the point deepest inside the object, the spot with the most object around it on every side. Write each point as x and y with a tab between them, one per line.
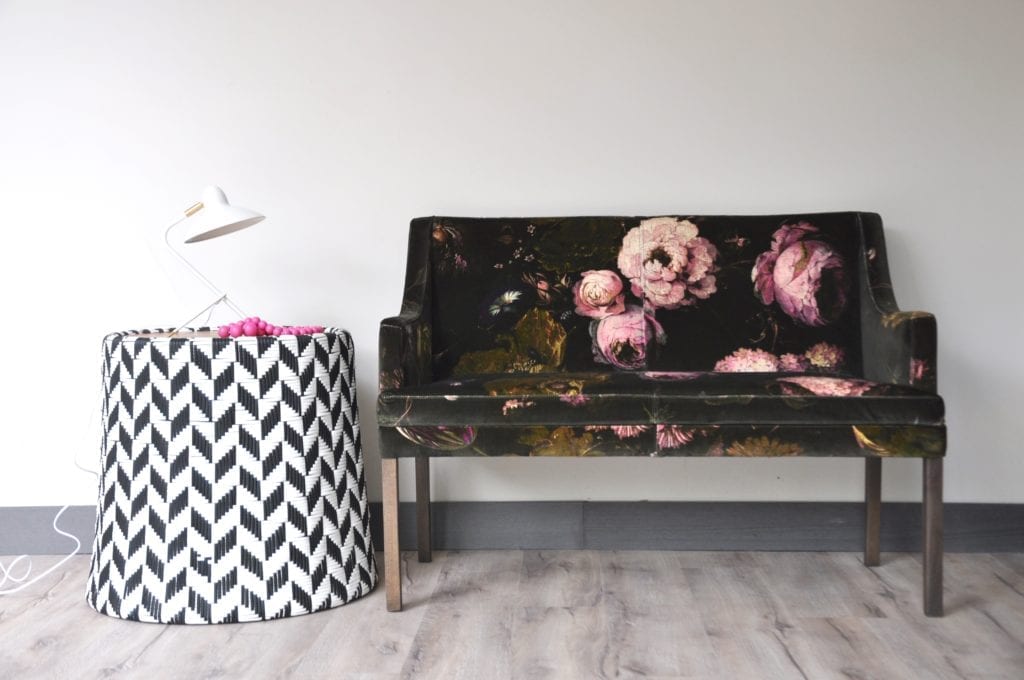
663	293
558	324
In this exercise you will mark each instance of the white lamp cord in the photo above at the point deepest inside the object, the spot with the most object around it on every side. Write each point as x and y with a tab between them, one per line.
6	572
21	580
208	308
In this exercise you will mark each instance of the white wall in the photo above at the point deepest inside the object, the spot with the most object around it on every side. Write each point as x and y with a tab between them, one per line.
342	120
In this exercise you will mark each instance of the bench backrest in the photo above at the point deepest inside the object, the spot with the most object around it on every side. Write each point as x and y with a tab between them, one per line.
680	293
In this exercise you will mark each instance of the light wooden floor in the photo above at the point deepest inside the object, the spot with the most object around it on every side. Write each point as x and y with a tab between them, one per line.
513	614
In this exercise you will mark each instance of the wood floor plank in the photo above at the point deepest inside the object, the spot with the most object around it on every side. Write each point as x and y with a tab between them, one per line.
462	643
652	641
1012	561
803	584
485	578
898	580
44	595
864	592
731	596
49	638
744	624
567	614
560	579
561	642
358	638
973	640
843	648
761	652
653	617
644	579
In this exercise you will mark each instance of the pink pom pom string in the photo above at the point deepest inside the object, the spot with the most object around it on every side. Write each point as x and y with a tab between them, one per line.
254	326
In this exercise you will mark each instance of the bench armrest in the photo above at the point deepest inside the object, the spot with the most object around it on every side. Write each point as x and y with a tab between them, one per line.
899	347
405	340
404	351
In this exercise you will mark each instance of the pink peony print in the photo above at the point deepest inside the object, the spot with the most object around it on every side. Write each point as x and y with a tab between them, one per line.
673	436
825	357
574	399
668	263
621	340
805	276
824	386
599	294
794	363
746	360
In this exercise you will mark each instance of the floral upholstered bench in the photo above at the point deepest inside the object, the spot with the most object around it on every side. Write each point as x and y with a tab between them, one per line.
661	336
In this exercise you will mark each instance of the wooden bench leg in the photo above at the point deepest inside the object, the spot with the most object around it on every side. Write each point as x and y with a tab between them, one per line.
392	559
423	536
932	508
872	511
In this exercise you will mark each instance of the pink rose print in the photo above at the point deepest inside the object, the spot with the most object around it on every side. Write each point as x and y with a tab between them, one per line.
574	399
599	294
621	340
668	263
762	274
828	387
746	360
806	277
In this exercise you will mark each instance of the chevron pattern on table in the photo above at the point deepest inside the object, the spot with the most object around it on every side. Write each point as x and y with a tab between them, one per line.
232	485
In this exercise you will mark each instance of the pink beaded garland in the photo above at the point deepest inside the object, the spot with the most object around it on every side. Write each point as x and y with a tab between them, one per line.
254	326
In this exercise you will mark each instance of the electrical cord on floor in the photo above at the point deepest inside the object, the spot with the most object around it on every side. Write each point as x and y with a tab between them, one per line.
7	574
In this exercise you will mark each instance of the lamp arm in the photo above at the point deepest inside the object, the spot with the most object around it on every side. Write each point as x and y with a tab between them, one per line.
198	274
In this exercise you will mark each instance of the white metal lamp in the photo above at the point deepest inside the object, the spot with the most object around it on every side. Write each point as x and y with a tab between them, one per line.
211	217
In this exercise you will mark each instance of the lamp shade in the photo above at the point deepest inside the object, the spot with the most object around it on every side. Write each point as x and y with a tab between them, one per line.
217	217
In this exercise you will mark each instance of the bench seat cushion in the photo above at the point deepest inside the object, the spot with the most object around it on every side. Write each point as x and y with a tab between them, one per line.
664	440
646	397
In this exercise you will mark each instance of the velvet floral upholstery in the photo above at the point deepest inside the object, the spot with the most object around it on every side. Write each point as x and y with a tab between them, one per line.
691	336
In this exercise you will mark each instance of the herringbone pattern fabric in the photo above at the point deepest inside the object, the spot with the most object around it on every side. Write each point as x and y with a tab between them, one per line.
232	484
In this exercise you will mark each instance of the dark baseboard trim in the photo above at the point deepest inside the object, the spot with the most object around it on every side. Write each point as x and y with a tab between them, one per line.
29	530
599	525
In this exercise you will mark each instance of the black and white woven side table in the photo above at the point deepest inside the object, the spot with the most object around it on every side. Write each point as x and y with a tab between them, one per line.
231	484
